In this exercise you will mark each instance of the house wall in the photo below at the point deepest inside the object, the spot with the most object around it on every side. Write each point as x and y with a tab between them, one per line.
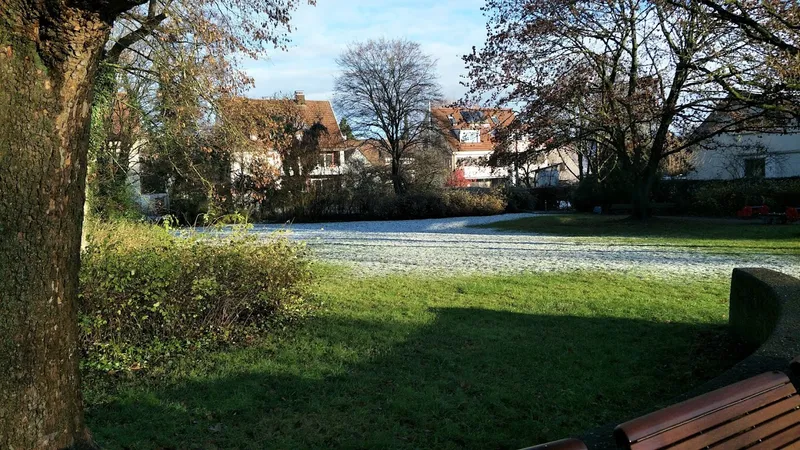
723	158
242	159
565	162
461	160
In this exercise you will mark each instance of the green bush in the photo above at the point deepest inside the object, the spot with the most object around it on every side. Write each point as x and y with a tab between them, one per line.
334	203
437	204
520	199
147	294
591	191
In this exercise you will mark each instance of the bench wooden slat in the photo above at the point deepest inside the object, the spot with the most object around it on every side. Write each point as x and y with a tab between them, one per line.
755	408
667	418
766	430
742	423
789	439
714	418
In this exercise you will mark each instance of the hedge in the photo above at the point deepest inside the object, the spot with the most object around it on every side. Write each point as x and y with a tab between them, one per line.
725	197
147	294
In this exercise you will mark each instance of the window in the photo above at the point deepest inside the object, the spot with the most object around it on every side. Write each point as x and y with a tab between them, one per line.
755	167
547	177
452	120
328	160
472	116
469	136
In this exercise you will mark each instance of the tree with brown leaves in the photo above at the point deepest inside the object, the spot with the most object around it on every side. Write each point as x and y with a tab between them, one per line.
50	51
198	42
772	28
636	78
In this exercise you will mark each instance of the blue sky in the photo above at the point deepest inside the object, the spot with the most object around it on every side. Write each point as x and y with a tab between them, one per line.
446	30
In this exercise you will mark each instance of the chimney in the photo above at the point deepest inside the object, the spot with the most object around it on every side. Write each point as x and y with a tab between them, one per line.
300	97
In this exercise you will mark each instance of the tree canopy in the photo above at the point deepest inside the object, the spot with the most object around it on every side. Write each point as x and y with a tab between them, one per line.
633	78
385	90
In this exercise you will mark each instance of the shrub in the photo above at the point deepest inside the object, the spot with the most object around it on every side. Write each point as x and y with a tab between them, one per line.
437	204
461	202
457	179
147	294
725	197
335	203
520	199
591	191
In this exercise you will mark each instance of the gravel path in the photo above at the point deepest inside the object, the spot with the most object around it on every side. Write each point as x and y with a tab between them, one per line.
443	246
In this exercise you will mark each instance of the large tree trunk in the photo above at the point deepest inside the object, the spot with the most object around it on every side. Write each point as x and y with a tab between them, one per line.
641	196
397	177
48	56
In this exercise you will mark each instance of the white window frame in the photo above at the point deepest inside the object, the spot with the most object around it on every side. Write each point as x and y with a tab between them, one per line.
469	136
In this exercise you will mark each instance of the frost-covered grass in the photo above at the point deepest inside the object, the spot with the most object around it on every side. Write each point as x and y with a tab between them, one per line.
414	361
475	245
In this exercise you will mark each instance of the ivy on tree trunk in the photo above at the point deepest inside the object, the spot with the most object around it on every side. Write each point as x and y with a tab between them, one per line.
49	52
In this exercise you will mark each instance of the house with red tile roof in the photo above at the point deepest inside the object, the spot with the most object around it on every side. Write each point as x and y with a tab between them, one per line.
471	136
335	150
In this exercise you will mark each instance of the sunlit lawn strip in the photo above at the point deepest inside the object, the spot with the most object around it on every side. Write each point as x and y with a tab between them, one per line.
455	362
711	235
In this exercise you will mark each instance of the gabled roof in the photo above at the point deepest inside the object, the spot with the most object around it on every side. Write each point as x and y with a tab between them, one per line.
741	117
486	120
321	111
313	111
374	154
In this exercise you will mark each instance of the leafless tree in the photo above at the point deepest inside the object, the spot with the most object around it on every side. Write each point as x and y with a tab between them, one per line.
385	91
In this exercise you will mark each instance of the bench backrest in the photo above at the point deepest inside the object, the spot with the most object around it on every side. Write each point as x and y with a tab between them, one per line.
763	411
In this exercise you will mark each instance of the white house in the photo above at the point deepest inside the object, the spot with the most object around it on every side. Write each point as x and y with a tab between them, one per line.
772	152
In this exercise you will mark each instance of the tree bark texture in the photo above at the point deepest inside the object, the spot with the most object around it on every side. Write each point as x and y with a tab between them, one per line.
49	53
642	189
397	177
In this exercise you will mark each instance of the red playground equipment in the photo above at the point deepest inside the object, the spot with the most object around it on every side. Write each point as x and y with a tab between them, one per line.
753	211
792	214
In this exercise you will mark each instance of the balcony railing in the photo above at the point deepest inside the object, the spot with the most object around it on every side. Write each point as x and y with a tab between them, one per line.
483	173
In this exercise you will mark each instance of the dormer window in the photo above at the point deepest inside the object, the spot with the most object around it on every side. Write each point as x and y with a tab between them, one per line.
452	120
469	136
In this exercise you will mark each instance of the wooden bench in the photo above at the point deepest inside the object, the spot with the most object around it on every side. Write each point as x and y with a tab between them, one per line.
761	413
563	444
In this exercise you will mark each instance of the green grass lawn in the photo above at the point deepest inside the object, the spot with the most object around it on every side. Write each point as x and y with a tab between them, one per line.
710	235
464	362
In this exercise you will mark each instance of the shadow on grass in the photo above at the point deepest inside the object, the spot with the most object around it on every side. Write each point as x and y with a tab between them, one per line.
471	378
